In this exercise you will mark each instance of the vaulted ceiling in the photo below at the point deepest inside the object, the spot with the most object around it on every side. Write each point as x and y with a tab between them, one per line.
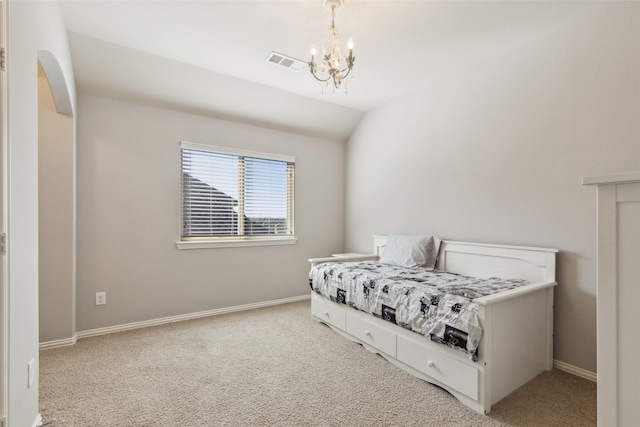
208	57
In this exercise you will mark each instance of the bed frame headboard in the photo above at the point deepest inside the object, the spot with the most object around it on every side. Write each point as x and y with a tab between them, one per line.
488	260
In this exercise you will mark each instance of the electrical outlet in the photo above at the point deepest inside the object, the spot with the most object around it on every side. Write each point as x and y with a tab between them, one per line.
31	373
101	298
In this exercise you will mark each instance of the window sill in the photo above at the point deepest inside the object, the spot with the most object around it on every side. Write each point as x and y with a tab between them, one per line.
235	243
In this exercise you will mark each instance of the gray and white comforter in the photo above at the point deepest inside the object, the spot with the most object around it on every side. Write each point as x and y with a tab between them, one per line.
433	303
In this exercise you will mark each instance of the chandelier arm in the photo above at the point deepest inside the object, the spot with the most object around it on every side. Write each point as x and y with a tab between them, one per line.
320	79
346	70
344	76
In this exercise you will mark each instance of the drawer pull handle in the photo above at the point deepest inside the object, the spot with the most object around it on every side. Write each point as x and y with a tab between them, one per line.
367	333
326	313
430	363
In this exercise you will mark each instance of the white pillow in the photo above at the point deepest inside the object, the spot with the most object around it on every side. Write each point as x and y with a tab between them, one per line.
411	251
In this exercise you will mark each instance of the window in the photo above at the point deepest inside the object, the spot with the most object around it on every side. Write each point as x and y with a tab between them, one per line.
232	197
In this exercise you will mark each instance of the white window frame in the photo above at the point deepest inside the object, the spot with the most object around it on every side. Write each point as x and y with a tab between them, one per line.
238	240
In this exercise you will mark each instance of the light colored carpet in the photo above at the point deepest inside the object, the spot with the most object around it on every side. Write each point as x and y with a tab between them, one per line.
270	367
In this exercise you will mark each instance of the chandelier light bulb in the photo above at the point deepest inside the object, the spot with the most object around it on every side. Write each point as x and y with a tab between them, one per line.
313	50
350	44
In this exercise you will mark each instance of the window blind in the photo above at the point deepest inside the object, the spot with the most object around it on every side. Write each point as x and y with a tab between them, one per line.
230	193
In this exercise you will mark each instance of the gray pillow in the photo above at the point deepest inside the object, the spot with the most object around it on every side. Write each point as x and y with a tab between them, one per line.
410	251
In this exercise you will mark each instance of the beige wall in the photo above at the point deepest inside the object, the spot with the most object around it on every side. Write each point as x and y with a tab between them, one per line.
128	216
495	153
56	218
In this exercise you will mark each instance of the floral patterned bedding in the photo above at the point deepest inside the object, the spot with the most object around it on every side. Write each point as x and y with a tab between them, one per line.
430	302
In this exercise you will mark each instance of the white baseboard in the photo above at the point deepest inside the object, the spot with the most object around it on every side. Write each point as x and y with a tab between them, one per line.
59	343
591	376
182	317
38	421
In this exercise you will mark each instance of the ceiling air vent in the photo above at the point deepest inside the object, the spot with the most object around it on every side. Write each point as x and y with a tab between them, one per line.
286	61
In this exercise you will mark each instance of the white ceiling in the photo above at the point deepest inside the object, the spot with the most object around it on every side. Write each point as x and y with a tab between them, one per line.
208	57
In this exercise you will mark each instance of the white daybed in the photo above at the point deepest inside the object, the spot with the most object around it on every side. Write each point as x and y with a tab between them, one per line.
517	325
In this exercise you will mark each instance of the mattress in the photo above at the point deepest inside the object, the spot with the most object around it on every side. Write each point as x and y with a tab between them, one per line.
433	303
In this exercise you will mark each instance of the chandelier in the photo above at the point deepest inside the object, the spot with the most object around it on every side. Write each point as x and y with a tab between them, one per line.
333	68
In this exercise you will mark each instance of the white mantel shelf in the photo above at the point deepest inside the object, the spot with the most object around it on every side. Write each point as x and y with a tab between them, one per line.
622	178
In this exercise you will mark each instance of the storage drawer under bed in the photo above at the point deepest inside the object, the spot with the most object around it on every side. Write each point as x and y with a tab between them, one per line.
363	327
328	311
438	365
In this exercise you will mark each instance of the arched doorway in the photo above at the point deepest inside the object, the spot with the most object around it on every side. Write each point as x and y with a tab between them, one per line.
56	204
